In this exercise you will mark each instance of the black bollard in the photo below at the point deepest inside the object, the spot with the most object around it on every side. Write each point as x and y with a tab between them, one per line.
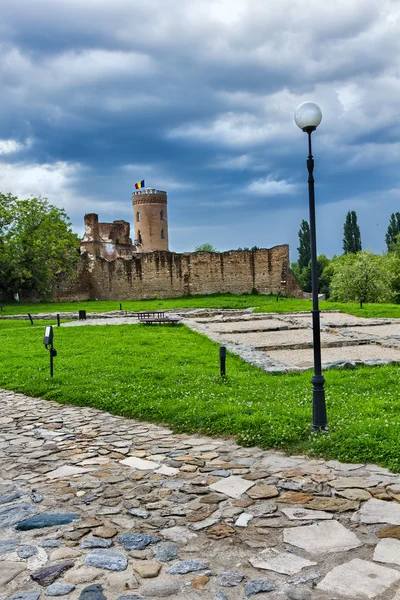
82	315
361	302
30	318
120	306
58	320
48	344
222	361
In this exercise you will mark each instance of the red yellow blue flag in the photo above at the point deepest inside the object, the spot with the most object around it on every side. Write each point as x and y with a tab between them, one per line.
139	184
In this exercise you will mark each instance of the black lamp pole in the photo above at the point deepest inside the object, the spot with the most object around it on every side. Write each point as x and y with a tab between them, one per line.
320	421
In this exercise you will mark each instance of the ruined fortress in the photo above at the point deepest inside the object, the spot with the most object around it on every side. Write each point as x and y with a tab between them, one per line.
113	267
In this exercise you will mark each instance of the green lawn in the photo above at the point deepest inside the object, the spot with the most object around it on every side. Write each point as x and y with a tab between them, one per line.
170	375
261	304
18	324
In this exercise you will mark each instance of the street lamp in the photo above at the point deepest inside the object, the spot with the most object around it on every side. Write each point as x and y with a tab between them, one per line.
308	116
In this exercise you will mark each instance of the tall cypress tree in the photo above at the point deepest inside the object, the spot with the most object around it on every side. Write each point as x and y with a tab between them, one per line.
304	248
393	230
351	234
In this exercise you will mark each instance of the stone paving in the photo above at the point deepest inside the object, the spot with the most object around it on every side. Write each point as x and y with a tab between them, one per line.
281	342
99	507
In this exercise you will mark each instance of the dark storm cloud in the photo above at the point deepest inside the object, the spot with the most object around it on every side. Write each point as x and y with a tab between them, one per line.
197	97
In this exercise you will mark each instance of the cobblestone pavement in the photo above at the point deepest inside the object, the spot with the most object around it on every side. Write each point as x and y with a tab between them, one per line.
99	507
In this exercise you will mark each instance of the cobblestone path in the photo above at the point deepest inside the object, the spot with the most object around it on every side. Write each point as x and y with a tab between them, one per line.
98	507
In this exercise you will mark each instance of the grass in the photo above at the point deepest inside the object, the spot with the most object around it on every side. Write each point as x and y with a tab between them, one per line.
260	302
170	375
374	311
26	324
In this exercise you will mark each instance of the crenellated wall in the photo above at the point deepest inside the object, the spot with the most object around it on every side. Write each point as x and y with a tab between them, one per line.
166	274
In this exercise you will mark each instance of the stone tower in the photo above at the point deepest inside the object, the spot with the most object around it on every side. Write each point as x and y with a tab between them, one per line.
150	219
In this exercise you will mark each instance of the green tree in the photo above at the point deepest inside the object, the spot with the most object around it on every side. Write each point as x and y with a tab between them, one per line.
6	202
324	274
37	245
363	275
395	247
394	251
304	248
351	234
393	230
205	248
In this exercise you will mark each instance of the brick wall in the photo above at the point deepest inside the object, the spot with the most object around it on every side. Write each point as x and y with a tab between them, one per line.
166	274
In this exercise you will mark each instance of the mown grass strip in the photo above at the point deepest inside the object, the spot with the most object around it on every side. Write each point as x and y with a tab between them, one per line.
170	375
22	324
222	301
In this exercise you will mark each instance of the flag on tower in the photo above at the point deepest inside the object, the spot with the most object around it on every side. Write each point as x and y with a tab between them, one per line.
139	184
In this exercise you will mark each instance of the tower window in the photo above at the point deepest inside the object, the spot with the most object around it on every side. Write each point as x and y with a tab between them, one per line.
138	216
161	215
139	237
162	234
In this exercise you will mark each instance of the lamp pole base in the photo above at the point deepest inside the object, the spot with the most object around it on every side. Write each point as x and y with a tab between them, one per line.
320	421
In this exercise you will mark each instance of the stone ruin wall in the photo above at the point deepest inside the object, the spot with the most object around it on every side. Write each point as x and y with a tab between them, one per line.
108	240
167	274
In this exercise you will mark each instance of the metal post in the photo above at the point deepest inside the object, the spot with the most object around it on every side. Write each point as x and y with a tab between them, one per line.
120	306
320	421
222	361
58	320
51	360
361	302
30	318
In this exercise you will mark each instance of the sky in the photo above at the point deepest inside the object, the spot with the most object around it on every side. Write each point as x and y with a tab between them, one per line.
197	98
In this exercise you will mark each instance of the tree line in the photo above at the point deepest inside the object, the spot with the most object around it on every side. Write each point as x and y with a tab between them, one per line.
37	247
356	274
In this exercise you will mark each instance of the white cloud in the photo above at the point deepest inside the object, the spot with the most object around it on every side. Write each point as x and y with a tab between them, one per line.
369	155
229	129
271	187
57	182
53	181
74	67
242	162
90	66
12	146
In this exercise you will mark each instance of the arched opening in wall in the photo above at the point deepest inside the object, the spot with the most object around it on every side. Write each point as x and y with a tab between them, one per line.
139	237
162	234
161	215
138	216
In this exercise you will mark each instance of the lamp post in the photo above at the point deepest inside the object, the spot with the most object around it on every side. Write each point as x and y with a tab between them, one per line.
308	116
